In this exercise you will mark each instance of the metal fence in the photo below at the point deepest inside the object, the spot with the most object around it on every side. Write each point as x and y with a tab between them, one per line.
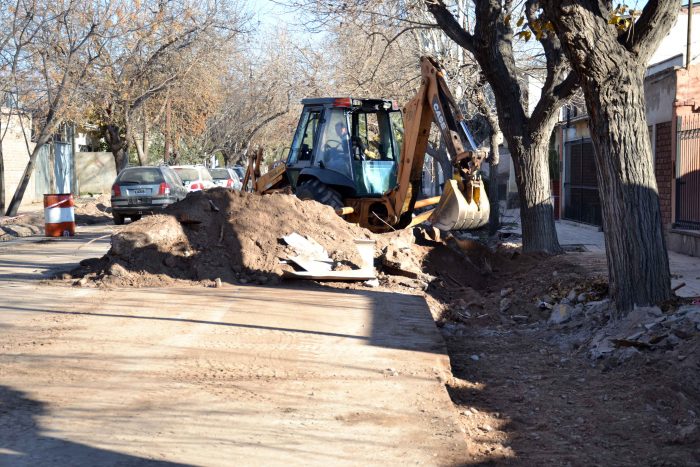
53	172
581	200
688	173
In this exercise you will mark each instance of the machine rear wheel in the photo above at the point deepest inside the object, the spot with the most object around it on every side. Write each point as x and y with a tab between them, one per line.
318	191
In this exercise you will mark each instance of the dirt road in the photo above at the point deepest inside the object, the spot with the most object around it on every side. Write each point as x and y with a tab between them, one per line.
198	376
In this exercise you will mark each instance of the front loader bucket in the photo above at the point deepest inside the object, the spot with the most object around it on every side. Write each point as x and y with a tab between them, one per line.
454	212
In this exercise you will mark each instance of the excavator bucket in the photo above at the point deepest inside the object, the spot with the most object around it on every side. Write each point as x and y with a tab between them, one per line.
455	212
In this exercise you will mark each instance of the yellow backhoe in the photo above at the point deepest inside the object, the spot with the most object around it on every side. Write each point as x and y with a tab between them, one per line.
365	159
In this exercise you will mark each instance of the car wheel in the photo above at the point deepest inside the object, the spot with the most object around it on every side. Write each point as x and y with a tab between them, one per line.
118	218
318	191
135	217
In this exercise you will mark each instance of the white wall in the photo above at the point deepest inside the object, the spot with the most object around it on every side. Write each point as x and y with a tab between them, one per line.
660	93
675	42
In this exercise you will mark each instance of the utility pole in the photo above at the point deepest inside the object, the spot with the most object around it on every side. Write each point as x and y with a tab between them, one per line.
690	33
166	152
74	186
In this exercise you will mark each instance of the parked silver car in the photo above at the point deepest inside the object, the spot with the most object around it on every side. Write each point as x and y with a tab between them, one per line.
143	190
226	177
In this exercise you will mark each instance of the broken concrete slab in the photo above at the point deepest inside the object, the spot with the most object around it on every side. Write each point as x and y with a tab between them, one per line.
560	313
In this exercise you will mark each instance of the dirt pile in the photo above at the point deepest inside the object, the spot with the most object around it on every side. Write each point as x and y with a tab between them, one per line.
93	210
24	225
219	234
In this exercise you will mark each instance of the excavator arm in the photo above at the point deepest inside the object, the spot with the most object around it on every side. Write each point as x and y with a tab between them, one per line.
463	204
254	181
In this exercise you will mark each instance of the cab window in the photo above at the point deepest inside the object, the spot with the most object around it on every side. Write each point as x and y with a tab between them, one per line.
303	144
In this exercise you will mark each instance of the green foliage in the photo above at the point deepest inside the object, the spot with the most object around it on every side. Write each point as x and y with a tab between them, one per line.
623	17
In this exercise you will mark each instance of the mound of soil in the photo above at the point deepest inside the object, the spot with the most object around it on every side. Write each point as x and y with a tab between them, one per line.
95	210
88	211
231	236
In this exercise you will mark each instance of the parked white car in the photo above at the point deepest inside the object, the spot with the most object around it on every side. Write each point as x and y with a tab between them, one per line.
194	177
226	177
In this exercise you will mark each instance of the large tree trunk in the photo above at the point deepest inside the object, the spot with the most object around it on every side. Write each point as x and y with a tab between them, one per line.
611	68
531	164
491	44
634	241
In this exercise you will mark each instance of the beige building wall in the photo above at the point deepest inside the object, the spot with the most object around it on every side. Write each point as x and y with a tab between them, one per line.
96	172
15	156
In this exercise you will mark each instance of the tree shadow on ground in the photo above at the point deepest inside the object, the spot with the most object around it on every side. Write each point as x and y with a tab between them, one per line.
23	444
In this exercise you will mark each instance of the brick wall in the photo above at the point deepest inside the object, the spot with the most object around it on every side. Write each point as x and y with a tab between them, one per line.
664	168
688	91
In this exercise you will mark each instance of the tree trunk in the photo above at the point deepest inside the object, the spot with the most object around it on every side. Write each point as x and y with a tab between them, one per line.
636	249
29	169
531	164
118	146
2	177
226	154
442	158
144	140
491	44
140	152
611	67
52	168
167	133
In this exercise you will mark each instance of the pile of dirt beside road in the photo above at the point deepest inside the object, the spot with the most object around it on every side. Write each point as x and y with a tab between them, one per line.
220	234
23	225
88	211
93	210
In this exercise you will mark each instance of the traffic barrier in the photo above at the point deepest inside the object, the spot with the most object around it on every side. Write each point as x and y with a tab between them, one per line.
59	215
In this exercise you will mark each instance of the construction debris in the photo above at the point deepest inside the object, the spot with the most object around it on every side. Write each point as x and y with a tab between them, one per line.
647	328
316	263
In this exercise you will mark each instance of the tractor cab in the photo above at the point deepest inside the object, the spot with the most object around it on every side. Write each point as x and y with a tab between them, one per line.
351	145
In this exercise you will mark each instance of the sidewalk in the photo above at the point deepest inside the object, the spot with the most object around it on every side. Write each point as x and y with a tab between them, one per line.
683	268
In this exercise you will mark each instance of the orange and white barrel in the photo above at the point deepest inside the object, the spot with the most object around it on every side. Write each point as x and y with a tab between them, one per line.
59	215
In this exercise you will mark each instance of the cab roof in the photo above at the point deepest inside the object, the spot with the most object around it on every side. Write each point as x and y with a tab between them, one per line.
349	102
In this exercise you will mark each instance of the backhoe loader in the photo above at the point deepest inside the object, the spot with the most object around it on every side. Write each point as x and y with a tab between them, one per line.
361	157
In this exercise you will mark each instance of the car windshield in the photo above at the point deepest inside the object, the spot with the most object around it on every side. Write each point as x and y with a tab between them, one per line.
220	174
204	174
140	176
187	174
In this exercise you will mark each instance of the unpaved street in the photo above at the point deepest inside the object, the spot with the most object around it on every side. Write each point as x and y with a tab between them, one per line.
204	376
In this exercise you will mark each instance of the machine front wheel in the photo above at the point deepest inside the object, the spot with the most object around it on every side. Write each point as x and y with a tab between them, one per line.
318	191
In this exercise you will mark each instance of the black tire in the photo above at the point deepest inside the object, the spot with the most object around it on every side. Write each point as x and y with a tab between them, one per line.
318	191
135	217
118	218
